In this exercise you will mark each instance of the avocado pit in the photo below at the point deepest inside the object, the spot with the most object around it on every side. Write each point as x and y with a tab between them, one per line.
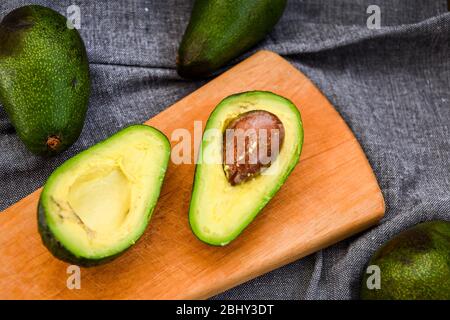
251	143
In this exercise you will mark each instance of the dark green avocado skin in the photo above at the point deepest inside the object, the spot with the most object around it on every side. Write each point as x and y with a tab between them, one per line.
59	251
415	265
44	78
220	30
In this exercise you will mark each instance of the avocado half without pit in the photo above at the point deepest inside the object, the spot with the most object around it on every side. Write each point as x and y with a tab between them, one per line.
252	142
98	203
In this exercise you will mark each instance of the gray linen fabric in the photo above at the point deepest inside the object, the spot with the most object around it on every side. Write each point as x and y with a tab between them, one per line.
391	86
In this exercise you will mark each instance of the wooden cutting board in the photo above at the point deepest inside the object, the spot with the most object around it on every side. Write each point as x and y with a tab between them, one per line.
330	195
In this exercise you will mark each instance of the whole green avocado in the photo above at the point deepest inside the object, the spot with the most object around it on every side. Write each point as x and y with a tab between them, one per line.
220	30
44	78
415	265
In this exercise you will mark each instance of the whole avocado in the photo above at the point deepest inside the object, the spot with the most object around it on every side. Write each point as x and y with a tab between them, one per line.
220	30
44	78
415	265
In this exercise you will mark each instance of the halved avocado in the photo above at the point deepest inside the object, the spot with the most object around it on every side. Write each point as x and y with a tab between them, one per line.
98	203
220	210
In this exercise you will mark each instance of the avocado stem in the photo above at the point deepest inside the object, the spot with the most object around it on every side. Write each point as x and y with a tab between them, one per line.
53	142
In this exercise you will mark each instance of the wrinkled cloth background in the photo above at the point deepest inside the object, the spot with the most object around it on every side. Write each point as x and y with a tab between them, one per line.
390	85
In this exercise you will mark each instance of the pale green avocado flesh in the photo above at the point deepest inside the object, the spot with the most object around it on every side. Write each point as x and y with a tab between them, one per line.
219	212
98	203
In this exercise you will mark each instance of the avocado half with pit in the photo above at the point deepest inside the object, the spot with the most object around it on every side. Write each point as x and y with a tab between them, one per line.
98	203
229	190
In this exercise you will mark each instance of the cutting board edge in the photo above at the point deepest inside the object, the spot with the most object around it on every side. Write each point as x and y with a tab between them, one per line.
365	224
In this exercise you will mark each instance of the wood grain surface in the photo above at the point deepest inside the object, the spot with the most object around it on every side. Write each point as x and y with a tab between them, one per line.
330	195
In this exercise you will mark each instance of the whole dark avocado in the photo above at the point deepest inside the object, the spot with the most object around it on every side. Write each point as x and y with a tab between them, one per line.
44	78
220	30
415	265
